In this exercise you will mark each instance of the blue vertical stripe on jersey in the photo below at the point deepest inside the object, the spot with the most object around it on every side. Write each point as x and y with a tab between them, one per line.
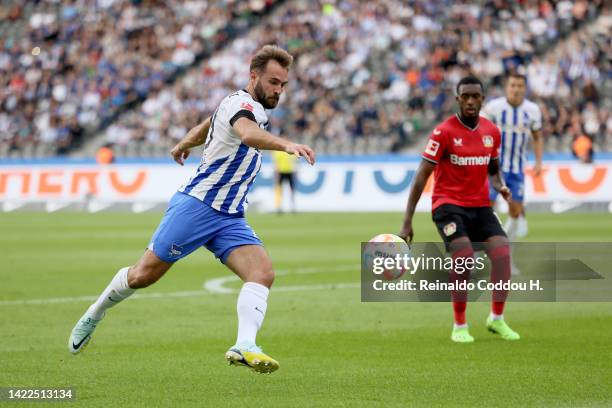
524	141
202	176
231	194
503	140
240	207
514	136
234	165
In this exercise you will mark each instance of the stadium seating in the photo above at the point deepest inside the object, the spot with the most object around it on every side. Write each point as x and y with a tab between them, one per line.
69	67
369	77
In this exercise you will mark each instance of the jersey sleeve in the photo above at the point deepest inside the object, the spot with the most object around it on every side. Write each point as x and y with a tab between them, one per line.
496	143
488	112
240	107
434	150
536	121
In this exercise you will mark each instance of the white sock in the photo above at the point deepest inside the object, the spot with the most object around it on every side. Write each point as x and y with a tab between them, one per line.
510	227
496	316
521	227
251	307
460	326
116	291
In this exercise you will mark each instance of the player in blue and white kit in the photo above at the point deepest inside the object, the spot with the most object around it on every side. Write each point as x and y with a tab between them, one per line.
208	209
516	118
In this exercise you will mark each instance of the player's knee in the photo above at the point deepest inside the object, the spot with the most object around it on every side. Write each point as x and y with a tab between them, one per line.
461	248
500	251
264	275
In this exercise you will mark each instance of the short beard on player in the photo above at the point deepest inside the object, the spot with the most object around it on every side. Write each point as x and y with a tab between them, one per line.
268	102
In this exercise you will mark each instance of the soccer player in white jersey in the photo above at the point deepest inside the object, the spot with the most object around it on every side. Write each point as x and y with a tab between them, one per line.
208	210
516	118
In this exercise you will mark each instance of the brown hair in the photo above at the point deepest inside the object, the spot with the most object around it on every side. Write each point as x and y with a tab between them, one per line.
267	53
518	75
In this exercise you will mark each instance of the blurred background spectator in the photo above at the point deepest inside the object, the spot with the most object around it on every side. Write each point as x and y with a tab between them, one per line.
105	154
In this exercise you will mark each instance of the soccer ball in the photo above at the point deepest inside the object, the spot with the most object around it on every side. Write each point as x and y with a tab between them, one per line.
387	238
384	246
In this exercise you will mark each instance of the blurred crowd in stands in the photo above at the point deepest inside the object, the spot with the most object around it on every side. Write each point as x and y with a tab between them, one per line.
368	76
573	86
66	67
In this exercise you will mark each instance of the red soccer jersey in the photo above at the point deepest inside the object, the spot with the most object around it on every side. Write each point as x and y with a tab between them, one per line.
462	156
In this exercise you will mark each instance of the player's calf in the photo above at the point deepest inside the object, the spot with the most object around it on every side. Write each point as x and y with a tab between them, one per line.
148	270
252	264
499	252
461	249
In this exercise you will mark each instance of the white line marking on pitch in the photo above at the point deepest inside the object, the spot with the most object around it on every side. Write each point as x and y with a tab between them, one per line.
217	289
217	285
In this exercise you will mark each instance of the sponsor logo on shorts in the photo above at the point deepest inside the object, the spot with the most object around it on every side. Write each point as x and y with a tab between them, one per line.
469	160
450	229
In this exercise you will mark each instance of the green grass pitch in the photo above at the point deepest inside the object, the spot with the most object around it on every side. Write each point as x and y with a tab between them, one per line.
165	348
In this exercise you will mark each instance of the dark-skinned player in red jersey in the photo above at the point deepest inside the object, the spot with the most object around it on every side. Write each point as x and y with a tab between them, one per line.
462	152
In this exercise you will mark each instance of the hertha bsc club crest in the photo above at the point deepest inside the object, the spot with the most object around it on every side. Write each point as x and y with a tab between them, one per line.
487	141
450	228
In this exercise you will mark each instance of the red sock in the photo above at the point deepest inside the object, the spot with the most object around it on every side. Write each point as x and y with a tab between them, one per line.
498	308
459	310
459	297
500	272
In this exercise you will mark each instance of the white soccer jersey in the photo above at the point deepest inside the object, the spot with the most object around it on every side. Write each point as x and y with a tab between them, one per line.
228	166
516	125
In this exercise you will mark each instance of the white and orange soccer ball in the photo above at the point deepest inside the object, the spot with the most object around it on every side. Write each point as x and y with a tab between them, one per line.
384	246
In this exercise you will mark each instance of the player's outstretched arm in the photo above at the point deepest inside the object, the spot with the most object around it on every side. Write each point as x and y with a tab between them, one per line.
194	137
497	180
253	136
420	179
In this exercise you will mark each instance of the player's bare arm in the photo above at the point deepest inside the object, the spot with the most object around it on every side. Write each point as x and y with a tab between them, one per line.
253	136
195	137
497	180
538	149
418	185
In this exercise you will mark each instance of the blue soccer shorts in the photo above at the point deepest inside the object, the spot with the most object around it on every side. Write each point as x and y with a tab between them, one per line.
516	184
189	224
